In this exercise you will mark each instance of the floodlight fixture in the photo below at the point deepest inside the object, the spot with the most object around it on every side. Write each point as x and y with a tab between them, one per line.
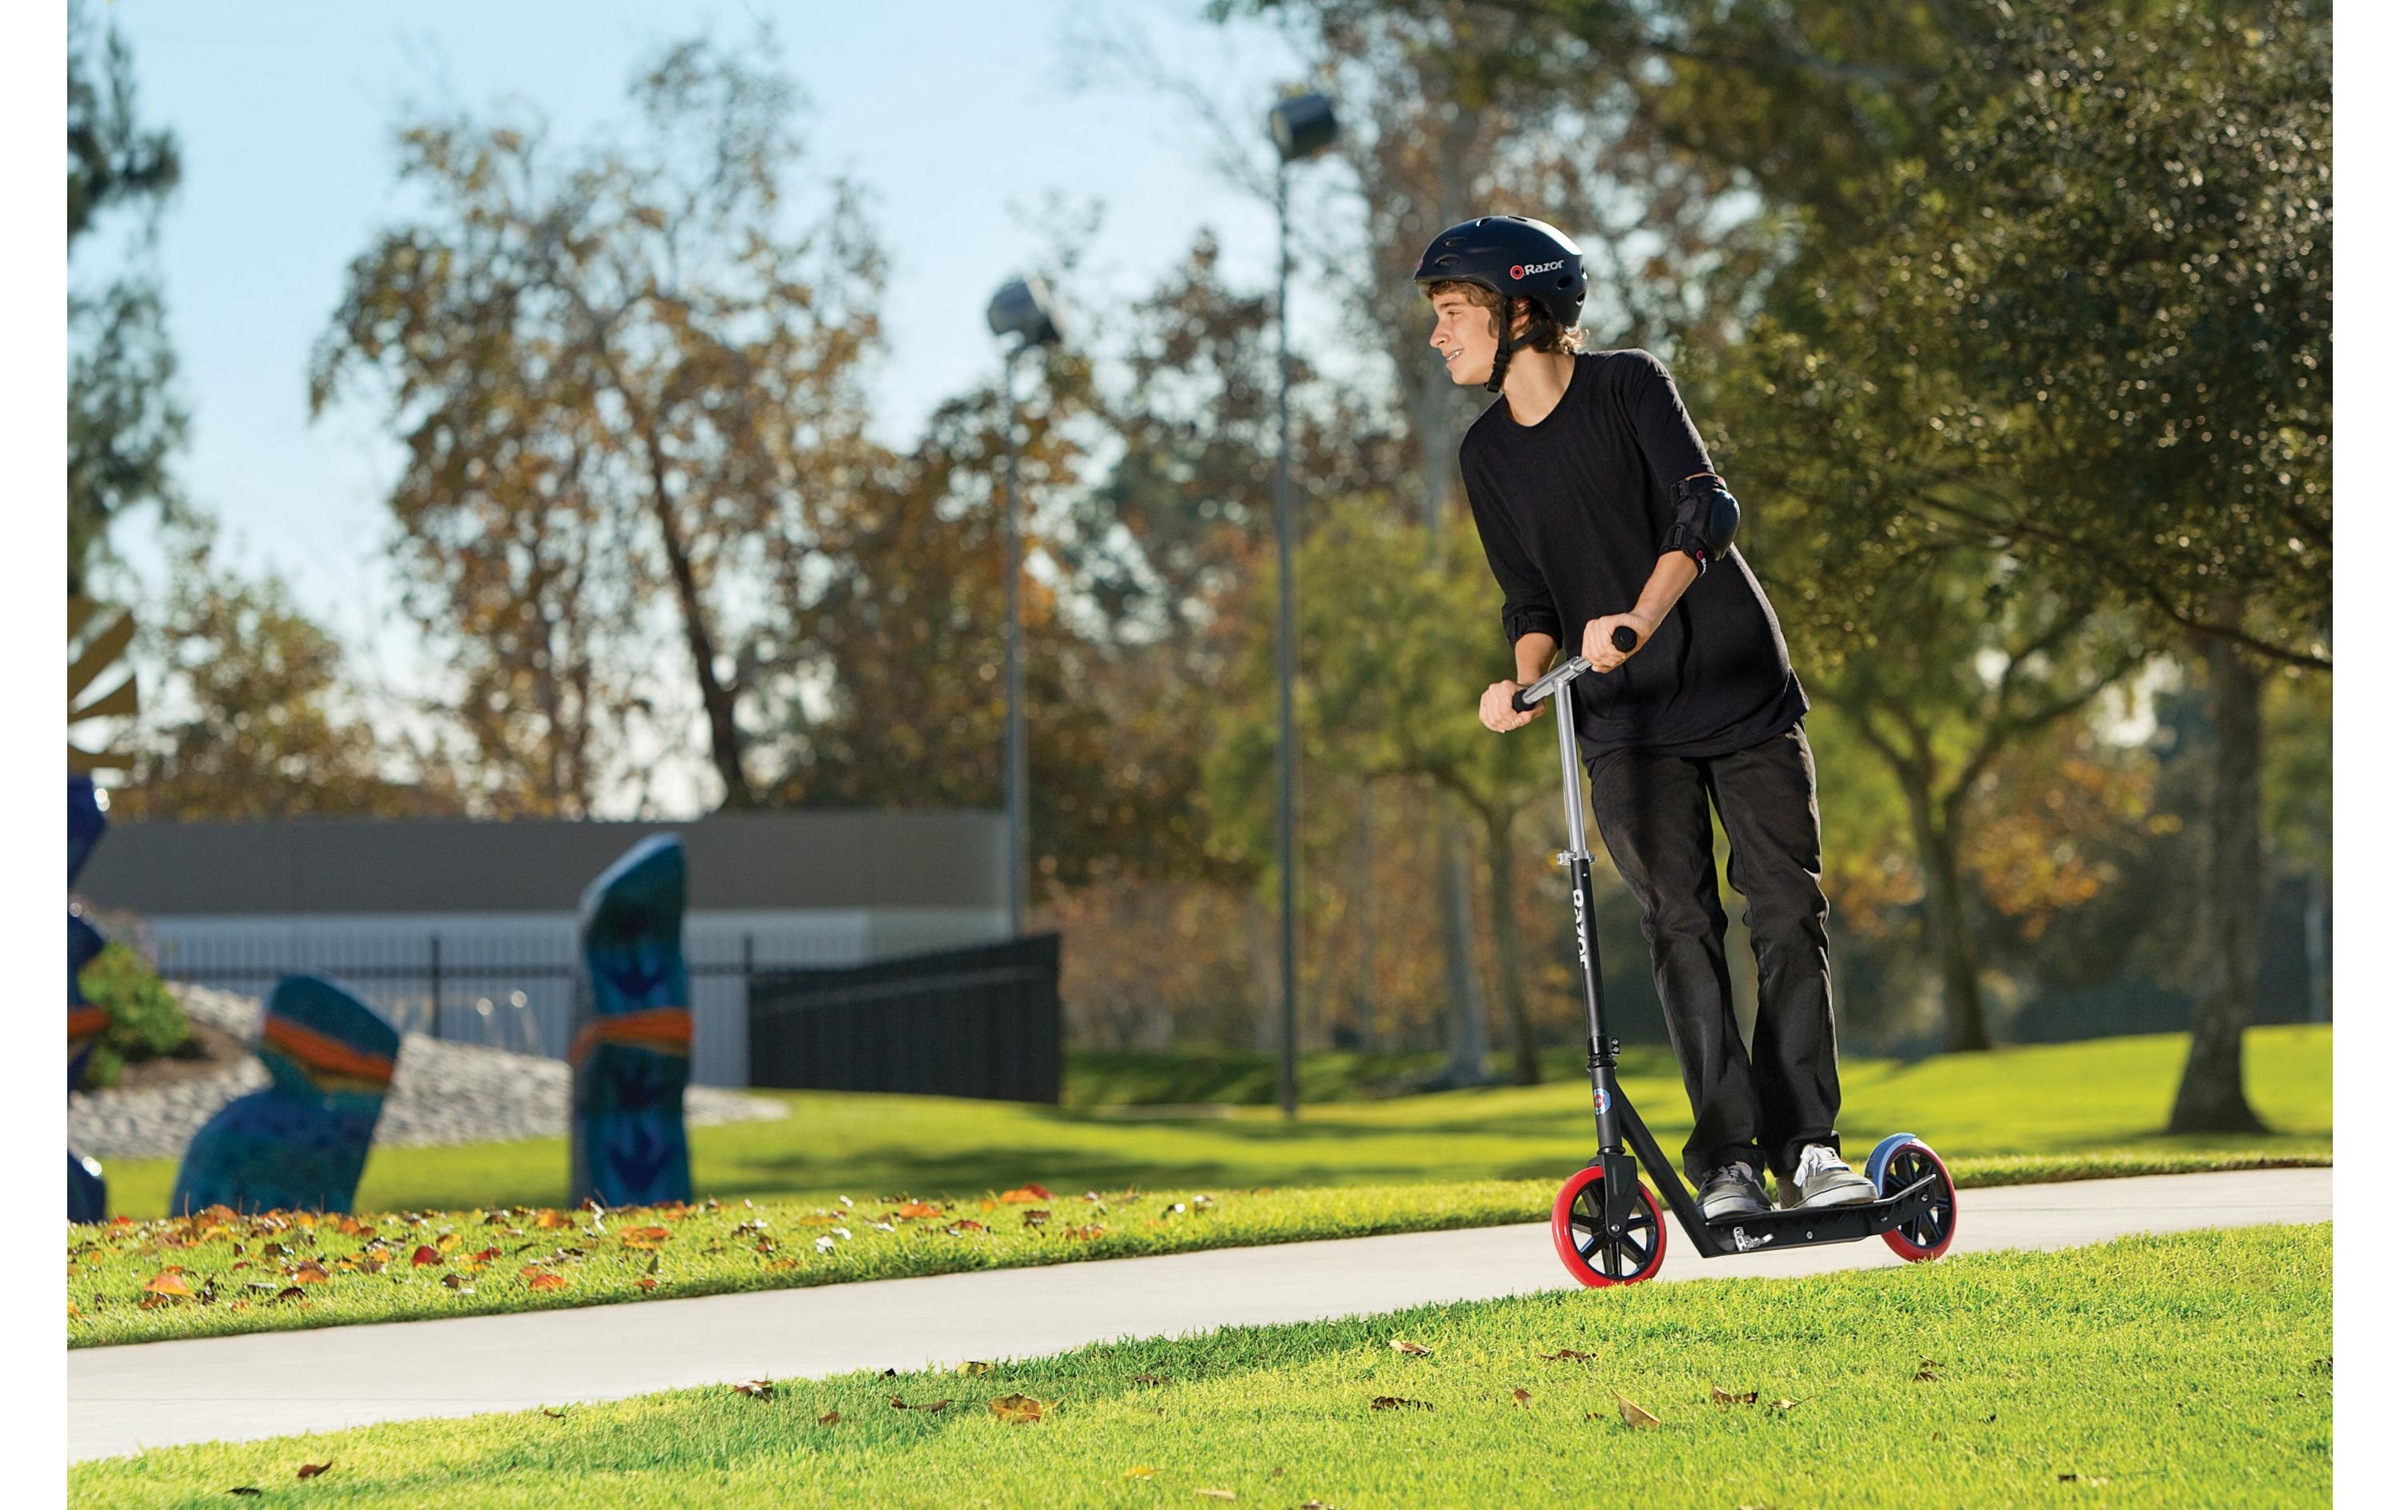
1302	126
1023	309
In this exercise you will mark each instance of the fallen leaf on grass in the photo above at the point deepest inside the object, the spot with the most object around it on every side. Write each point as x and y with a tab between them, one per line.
1141	1471
938	1405
1017	1410
313	1273
245	1489
918	1210
2094	1479
974	1366
645	1237
169	1282
1413	1349
1213	1494
1633	1414
1087	1233
1520	1395
423	1257
458	1282
1925	1373
483	1256
756	1389
1148	1379
1565	1355
1719	1396
1781	1404
1394	1402
311	1470
551	1219
543	1279
829	1418
1025	1195
555	1415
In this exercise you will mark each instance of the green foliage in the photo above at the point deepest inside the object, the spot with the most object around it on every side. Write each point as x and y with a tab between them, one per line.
2164	1371
123	419
2095	325
144	1019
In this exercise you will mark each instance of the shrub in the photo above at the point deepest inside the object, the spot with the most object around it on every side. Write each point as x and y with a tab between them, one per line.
144	1020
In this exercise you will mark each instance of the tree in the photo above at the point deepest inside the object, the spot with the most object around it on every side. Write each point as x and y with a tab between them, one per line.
2096	331
1398	650
630	392
123	419
253	723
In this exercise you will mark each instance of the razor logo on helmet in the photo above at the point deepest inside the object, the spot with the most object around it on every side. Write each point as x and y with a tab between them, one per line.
1520	274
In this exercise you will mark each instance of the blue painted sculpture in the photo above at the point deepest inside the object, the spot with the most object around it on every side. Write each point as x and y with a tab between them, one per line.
87	1189
632	1047
300	1144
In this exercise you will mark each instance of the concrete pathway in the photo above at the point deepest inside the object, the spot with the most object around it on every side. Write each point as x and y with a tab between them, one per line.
125	1399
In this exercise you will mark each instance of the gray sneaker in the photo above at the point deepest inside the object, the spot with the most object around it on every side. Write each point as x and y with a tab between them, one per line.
1823	1180
1731	1192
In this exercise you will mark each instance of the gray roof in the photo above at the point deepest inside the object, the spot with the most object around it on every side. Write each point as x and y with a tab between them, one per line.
805	859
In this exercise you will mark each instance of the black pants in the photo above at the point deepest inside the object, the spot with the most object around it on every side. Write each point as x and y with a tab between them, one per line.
1653	814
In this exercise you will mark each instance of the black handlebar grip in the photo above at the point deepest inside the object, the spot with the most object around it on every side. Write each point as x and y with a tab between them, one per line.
1624	638
1517	701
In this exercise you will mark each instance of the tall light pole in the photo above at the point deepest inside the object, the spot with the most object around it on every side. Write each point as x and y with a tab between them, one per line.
1302	127
1021	308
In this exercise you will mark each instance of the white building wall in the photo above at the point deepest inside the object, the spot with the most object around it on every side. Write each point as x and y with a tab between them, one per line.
507	979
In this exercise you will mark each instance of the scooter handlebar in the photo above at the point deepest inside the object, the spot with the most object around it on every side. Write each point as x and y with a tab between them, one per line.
1529	697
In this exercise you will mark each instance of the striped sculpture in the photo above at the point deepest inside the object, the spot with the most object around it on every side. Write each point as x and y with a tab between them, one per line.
632	1046
300	1144
87	1189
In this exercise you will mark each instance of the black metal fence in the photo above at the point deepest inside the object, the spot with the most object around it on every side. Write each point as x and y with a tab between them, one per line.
980	1022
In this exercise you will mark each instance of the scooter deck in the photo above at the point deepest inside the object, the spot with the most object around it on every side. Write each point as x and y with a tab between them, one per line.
1800	1227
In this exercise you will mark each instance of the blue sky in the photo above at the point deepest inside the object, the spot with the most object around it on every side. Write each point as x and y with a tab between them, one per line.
959	120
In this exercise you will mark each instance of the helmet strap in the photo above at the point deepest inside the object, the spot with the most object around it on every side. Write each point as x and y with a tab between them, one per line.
1508	323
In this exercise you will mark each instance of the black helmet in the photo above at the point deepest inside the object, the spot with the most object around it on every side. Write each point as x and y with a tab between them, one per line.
1515	258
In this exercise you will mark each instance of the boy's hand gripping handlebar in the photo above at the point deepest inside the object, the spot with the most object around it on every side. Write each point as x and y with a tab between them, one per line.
1558	676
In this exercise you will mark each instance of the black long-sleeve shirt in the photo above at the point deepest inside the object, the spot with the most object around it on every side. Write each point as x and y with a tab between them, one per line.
1573	511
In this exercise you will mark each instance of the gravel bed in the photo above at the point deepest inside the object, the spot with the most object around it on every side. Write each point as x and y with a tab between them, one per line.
441	1093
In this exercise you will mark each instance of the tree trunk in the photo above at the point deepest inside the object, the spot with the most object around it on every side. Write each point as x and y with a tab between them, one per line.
2211	1097
1964	1030
1500	867
1470	1046
724	734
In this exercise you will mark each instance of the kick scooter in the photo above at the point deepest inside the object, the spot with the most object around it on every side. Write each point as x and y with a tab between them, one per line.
1605	1223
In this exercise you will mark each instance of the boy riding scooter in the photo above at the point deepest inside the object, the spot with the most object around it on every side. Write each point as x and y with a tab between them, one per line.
1600	512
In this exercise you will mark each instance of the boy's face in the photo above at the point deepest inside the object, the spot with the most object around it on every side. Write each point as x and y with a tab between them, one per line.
1466	335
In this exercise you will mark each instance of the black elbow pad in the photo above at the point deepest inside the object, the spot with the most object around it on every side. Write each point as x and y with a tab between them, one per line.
1705	518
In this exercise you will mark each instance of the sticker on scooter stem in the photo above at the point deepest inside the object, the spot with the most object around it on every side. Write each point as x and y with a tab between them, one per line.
1599	1101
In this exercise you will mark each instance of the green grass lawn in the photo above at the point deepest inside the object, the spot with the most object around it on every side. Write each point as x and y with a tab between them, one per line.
2110	1095
2190	1370
248	1275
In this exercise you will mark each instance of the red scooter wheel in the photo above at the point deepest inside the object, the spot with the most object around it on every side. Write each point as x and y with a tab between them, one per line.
1927	1236
1579	1230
